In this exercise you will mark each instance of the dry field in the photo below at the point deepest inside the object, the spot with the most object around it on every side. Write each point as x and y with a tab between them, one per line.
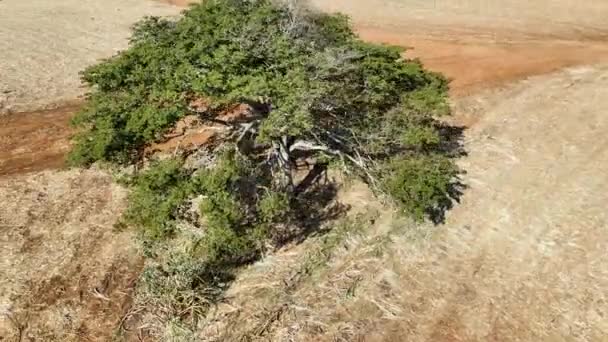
507	20
522	258
482	43
65	274
45	44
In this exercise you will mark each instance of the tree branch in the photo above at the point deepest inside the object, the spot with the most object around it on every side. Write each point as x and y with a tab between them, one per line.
303	145
245	128
357	160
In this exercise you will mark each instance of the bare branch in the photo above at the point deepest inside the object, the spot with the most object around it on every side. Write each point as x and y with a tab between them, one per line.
310	146
245	128
357	160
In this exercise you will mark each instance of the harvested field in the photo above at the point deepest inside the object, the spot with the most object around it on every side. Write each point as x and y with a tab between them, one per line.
45	44
487	20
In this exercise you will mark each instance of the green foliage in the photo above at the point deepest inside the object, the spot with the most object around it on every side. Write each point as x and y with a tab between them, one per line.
420	184
313	79
226	245
238	209
274	207
230	234
156	195
318	79
237	212
225	50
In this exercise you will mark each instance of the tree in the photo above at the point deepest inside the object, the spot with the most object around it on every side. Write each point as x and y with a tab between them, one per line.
315	89
316	93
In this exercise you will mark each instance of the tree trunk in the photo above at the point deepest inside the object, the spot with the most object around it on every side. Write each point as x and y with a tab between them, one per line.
284	164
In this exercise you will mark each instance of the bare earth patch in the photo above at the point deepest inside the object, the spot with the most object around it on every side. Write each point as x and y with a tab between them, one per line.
65	275
475	64
36	140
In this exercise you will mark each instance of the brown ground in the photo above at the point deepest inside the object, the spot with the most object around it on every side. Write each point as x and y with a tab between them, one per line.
65	275
474	64
35	141
480	44
522	258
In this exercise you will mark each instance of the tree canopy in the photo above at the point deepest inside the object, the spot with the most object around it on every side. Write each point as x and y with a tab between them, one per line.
316	91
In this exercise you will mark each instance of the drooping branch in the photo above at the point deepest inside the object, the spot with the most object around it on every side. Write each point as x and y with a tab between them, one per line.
355	159
246	128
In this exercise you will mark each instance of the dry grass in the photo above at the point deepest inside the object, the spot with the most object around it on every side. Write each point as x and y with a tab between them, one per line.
65	275
484	19
266	291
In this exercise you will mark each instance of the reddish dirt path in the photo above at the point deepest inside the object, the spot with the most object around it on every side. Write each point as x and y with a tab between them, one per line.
475	64
36	140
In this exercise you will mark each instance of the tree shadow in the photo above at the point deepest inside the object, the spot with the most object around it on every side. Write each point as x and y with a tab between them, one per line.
452	145
452	140
314	205
455	190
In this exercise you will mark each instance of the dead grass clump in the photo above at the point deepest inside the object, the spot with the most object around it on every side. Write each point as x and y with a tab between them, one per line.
268	291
